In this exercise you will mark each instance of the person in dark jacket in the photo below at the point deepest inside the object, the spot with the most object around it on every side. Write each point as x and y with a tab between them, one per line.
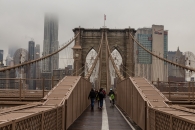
92	96
97	98
101	97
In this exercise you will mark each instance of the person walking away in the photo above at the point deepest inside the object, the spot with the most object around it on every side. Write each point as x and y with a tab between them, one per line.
111	97
104	92
101	97
92	96
98	99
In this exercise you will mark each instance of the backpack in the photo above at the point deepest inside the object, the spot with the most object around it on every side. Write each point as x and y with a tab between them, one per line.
112	96
101	95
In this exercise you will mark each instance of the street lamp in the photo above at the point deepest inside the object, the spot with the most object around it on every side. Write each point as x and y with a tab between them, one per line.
76	55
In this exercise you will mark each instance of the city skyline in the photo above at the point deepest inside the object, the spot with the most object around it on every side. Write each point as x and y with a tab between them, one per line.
22	25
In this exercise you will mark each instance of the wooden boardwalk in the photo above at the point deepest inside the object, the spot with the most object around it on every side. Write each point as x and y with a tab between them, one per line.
109	118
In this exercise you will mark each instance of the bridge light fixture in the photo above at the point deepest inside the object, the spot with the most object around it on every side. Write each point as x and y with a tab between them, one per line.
76	55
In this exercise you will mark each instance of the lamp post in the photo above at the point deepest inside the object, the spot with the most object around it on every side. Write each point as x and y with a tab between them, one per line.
76	55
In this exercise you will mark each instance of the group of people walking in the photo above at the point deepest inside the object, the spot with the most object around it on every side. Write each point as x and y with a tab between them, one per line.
98	96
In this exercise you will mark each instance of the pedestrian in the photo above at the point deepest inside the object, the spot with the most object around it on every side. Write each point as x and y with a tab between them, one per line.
101	97
111	97
104	92
98	99
92	96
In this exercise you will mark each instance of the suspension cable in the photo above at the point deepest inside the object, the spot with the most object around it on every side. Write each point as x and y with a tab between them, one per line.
82	72
128	69
161	58
78	70
112	61
125	72
42	58
95	61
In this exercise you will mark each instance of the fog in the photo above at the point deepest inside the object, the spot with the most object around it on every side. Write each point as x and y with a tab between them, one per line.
21	20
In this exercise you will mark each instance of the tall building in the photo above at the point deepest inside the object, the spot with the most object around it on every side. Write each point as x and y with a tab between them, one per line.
50	43
37	56
155	39
176	73
1	56
32	72
38	66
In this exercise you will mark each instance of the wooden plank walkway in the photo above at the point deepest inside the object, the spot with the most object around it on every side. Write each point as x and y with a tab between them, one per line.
92	120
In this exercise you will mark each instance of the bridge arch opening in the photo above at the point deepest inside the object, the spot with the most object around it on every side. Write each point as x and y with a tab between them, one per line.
89	60
118	60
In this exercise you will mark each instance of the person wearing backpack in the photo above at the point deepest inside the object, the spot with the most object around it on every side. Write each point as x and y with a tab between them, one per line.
101	97
92	96
97	98
104	92
111	97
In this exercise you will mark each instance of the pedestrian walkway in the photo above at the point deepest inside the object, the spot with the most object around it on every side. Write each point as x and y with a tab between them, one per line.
109	118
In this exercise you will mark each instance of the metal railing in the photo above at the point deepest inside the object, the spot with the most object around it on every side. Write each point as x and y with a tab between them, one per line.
146	106
63	105
132	102
18	89
177	91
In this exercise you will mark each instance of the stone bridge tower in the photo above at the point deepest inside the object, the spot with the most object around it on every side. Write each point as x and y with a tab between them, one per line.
118	39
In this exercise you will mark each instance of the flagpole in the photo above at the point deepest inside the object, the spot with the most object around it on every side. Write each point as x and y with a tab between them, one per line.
104	20
104	23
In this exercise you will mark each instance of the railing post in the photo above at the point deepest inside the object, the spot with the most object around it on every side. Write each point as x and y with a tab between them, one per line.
169	91
13	124
188	91
65	123
52	82
57	117
42	120
43	86
20	88
193	92
158	82
63	117
171	122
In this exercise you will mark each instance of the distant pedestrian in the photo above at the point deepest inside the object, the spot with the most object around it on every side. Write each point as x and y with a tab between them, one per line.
92	96
98	99
111	97
104	92
101	97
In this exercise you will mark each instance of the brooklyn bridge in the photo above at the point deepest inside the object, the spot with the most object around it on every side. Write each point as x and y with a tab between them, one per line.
140	103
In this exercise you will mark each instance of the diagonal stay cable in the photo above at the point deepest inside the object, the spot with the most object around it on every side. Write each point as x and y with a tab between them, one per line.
78	70
42	58
128	69
95	61
112	61
125	72
176	64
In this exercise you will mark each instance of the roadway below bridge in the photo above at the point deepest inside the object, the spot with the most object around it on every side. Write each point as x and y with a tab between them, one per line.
109	118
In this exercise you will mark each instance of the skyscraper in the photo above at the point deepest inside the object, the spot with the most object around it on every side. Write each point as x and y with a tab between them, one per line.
1	56
155	39
31	50
50	43
31	56
37	56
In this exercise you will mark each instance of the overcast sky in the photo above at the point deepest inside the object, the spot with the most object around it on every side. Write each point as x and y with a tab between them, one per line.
21	20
